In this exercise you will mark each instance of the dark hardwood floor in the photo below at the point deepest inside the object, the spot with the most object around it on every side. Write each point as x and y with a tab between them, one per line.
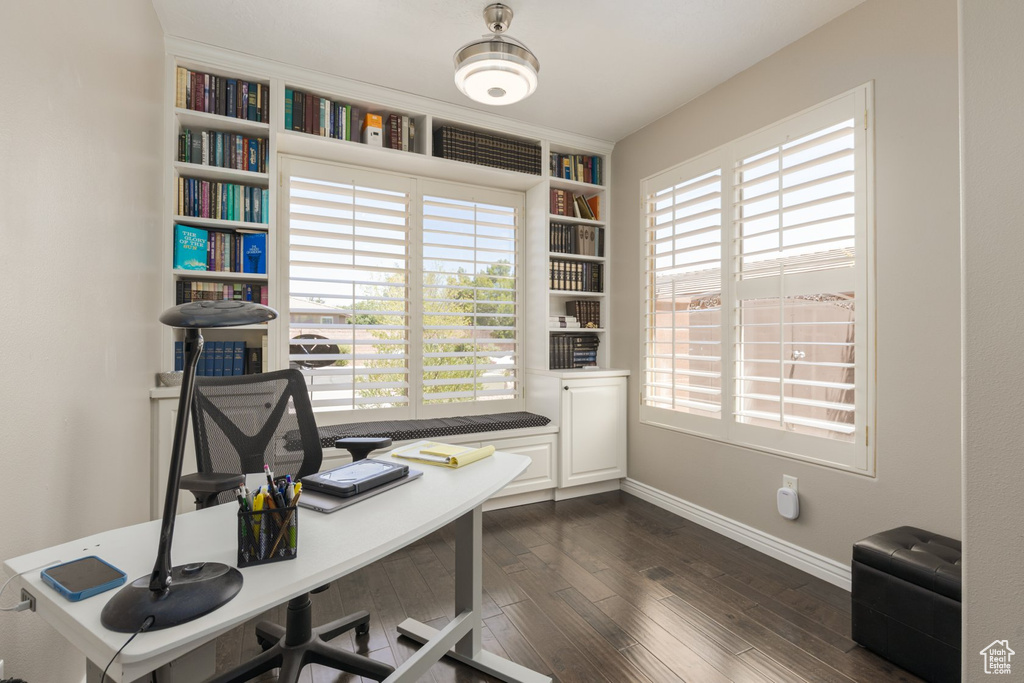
605	588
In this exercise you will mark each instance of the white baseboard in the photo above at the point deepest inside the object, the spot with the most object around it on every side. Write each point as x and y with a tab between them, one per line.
817	565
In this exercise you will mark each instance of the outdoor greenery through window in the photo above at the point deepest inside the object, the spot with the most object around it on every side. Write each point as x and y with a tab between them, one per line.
402	292
757	261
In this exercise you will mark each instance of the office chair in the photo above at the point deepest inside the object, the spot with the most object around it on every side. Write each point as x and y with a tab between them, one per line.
241	423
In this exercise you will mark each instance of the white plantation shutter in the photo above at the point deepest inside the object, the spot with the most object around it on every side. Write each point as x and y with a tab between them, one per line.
469	306
794	373
683	369
349	254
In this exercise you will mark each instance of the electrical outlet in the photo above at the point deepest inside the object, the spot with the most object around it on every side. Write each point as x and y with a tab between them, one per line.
789	482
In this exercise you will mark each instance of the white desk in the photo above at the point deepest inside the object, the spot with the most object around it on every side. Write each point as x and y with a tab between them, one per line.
330	546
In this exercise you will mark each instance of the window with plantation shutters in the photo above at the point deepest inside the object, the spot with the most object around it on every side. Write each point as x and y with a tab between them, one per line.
777	278
469	269
684	294
403	293
349	256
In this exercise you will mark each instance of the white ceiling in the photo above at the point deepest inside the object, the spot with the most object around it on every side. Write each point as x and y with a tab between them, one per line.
607	67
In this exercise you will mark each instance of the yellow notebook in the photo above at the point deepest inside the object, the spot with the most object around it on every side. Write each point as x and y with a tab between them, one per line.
442	454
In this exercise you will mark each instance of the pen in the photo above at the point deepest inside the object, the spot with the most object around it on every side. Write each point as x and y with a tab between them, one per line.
280	534
289	491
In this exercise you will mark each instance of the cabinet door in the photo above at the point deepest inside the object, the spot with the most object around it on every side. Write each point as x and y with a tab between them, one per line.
541	472
593	430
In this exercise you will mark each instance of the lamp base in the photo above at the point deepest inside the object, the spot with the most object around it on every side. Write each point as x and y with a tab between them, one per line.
196	589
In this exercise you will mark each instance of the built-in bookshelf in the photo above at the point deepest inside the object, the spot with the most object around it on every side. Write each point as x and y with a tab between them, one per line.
232	115
219	220
571	206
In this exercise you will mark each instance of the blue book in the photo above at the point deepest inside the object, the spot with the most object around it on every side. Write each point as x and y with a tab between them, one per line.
218	358
288	97
207	362
189	248
254	246
179	356
254	155
238	360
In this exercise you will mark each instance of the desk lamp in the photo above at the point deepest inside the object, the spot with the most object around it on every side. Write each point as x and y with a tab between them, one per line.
175	595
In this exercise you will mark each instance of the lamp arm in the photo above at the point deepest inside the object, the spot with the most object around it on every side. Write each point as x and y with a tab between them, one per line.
160	579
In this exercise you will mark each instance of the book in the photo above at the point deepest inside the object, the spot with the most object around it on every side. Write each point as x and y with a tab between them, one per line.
443	455
190	248
373	130
254	252
237	358
253	361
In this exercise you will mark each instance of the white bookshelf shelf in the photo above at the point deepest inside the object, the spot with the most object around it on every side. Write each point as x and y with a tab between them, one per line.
218	275
221	223
575	257
571	294
576	186
207	172
201	120
555	218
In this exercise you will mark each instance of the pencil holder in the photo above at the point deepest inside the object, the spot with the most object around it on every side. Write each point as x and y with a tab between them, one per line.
267	536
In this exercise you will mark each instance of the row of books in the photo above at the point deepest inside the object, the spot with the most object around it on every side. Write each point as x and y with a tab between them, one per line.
585	240
576	276
231	97
226	201
580	167
588	312
568	351
565	203
186	291
219	250
222	359
484	149
226	150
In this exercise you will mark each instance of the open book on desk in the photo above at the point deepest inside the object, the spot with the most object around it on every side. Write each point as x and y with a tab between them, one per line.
442	454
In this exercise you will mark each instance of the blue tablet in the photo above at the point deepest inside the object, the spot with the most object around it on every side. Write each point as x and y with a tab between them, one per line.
83	578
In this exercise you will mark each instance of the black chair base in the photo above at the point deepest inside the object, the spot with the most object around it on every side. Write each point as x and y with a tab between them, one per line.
292	647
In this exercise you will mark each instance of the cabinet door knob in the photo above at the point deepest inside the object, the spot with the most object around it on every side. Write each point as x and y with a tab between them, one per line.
566	388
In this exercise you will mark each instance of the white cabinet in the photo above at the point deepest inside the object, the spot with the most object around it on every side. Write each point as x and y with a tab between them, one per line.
589	407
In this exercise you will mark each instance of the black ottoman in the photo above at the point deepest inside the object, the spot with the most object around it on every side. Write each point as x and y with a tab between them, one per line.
906	600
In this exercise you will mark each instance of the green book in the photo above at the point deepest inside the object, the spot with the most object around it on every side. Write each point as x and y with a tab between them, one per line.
189	248
288	108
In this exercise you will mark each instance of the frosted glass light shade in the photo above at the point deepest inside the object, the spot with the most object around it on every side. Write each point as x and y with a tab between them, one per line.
496	71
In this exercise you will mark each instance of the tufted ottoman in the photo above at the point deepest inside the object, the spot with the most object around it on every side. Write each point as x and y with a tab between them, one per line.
906	600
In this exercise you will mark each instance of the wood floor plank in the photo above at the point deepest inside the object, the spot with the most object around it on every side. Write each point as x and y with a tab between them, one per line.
516	646
772	669
417	599
563	657
598	643
664	645
568	569
605	587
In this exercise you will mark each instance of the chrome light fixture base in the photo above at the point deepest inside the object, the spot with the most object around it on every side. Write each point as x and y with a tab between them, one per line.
496	69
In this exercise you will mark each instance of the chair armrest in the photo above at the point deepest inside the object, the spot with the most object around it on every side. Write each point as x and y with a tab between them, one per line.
206	486
362	446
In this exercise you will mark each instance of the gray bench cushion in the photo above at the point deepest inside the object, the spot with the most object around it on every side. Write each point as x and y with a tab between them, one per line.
435	428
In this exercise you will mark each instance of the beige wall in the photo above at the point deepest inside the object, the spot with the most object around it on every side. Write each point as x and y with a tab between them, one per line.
992	102
909	50
80	128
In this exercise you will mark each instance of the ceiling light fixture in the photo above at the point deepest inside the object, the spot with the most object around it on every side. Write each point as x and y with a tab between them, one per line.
497	69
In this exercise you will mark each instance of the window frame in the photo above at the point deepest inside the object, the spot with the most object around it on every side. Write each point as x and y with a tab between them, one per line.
418	186
857	456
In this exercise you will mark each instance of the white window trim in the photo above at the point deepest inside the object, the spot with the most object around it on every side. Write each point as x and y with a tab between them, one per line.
417	187
859	456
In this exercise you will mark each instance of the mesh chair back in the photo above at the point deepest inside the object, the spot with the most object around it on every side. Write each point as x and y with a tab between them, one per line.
244	422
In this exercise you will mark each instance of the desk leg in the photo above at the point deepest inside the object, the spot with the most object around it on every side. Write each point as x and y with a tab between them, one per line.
460	639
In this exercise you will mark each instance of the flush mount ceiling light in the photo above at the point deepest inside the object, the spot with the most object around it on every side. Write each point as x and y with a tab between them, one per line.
496	69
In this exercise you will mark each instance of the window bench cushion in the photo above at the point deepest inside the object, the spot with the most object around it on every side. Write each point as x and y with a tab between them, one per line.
434	428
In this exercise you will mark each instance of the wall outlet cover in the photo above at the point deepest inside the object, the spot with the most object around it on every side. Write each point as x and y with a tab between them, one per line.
789	482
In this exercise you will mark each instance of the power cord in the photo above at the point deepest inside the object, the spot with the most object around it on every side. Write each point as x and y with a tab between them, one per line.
24	604
146	624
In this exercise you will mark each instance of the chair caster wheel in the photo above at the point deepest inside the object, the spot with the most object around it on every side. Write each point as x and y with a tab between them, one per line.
362	629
